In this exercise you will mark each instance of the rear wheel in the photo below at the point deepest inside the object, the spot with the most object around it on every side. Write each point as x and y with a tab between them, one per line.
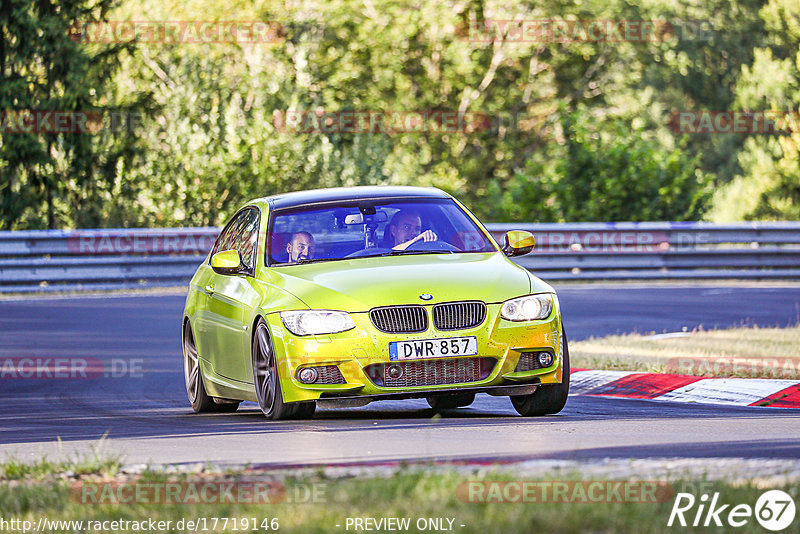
199	399
267	381
547	400
449	402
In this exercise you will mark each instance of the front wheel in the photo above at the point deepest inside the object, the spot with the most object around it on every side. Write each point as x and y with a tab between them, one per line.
547	400
268	384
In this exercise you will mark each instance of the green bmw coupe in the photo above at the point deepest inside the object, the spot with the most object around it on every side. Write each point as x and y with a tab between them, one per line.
352	295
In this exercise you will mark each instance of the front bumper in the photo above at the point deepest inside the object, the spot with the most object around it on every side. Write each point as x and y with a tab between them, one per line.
359	355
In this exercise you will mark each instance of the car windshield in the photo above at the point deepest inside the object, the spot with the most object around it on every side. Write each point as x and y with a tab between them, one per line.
368	228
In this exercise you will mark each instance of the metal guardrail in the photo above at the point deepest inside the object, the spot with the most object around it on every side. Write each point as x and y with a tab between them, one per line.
120	259
661	250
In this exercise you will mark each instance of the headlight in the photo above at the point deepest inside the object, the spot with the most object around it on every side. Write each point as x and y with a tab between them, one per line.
529	308
314	322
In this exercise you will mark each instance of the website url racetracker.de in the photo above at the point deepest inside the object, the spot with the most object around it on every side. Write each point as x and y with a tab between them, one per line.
199	524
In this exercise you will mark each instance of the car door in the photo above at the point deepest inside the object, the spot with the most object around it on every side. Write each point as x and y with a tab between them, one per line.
231	299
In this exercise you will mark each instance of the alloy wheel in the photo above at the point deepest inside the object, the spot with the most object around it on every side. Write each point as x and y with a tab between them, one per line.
191	364
264	370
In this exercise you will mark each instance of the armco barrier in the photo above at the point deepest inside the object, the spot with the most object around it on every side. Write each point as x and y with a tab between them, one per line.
660	250
119	259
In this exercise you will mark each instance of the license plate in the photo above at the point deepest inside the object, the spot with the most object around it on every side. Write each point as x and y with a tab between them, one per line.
433	348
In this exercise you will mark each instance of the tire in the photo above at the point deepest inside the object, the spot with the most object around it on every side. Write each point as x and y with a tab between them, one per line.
546	400
193	377
200	400
449	402
267	380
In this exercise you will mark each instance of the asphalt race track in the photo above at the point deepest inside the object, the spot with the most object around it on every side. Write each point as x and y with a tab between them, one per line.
147	417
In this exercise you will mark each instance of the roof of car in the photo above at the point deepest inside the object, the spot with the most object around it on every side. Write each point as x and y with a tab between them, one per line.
300	198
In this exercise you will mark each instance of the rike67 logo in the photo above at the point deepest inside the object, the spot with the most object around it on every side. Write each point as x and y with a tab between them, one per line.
774	510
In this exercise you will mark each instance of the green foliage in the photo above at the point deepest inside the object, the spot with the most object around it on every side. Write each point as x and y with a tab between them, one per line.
769	184
411	494
97	461
207	140
56	179
611	175
625	177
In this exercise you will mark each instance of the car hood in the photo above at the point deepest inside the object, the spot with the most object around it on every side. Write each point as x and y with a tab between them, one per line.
359	284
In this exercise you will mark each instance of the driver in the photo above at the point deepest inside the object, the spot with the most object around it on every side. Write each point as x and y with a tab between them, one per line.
301	247
405	229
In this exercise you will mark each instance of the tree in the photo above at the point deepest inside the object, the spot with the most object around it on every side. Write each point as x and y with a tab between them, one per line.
208	139
48	177
769	185
606	173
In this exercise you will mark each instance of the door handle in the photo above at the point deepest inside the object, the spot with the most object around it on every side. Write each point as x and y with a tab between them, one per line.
210	288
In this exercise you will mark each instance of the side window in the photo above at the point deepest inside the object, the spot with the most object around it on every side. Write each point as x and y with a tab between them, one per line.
222	241
224	238
240	234
248	236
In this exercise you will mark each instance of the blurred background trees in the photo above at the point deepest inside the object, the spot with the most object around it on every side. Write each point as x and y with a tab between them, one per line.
579	130
51	180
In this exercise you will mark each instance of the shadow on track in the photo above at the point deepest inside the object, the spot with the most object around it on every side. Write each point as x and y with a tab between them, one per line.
84	421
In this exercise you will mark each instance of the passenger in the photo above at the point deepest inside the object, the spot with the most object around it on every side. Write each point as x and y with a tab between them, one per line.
405	229
301	247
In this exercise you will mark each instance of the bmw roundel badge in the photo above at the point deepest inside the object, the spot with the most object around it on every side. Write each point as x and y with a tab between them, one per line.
426	296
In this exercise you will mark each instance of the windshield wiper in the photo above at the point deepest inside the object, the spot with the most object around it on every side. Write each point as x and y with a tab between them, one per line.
410	252
405	253
389	253
312	260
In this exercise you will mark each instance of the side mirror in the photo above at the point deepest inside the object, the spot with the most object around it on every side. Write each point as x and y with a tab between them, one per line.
518	243
227	262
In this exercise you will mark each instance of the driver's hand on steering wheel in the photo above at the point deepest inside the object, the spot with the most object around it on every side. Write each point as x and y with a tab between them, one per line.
427	236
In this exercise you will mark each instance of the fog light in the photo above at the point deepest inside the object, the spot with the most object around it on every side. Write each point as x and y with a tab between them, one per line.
545	359
307	375
394	371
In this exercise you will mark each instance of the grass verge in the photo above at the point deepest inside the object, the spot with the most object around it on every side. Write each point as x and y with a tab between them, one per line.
737	352
315	504
97	462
